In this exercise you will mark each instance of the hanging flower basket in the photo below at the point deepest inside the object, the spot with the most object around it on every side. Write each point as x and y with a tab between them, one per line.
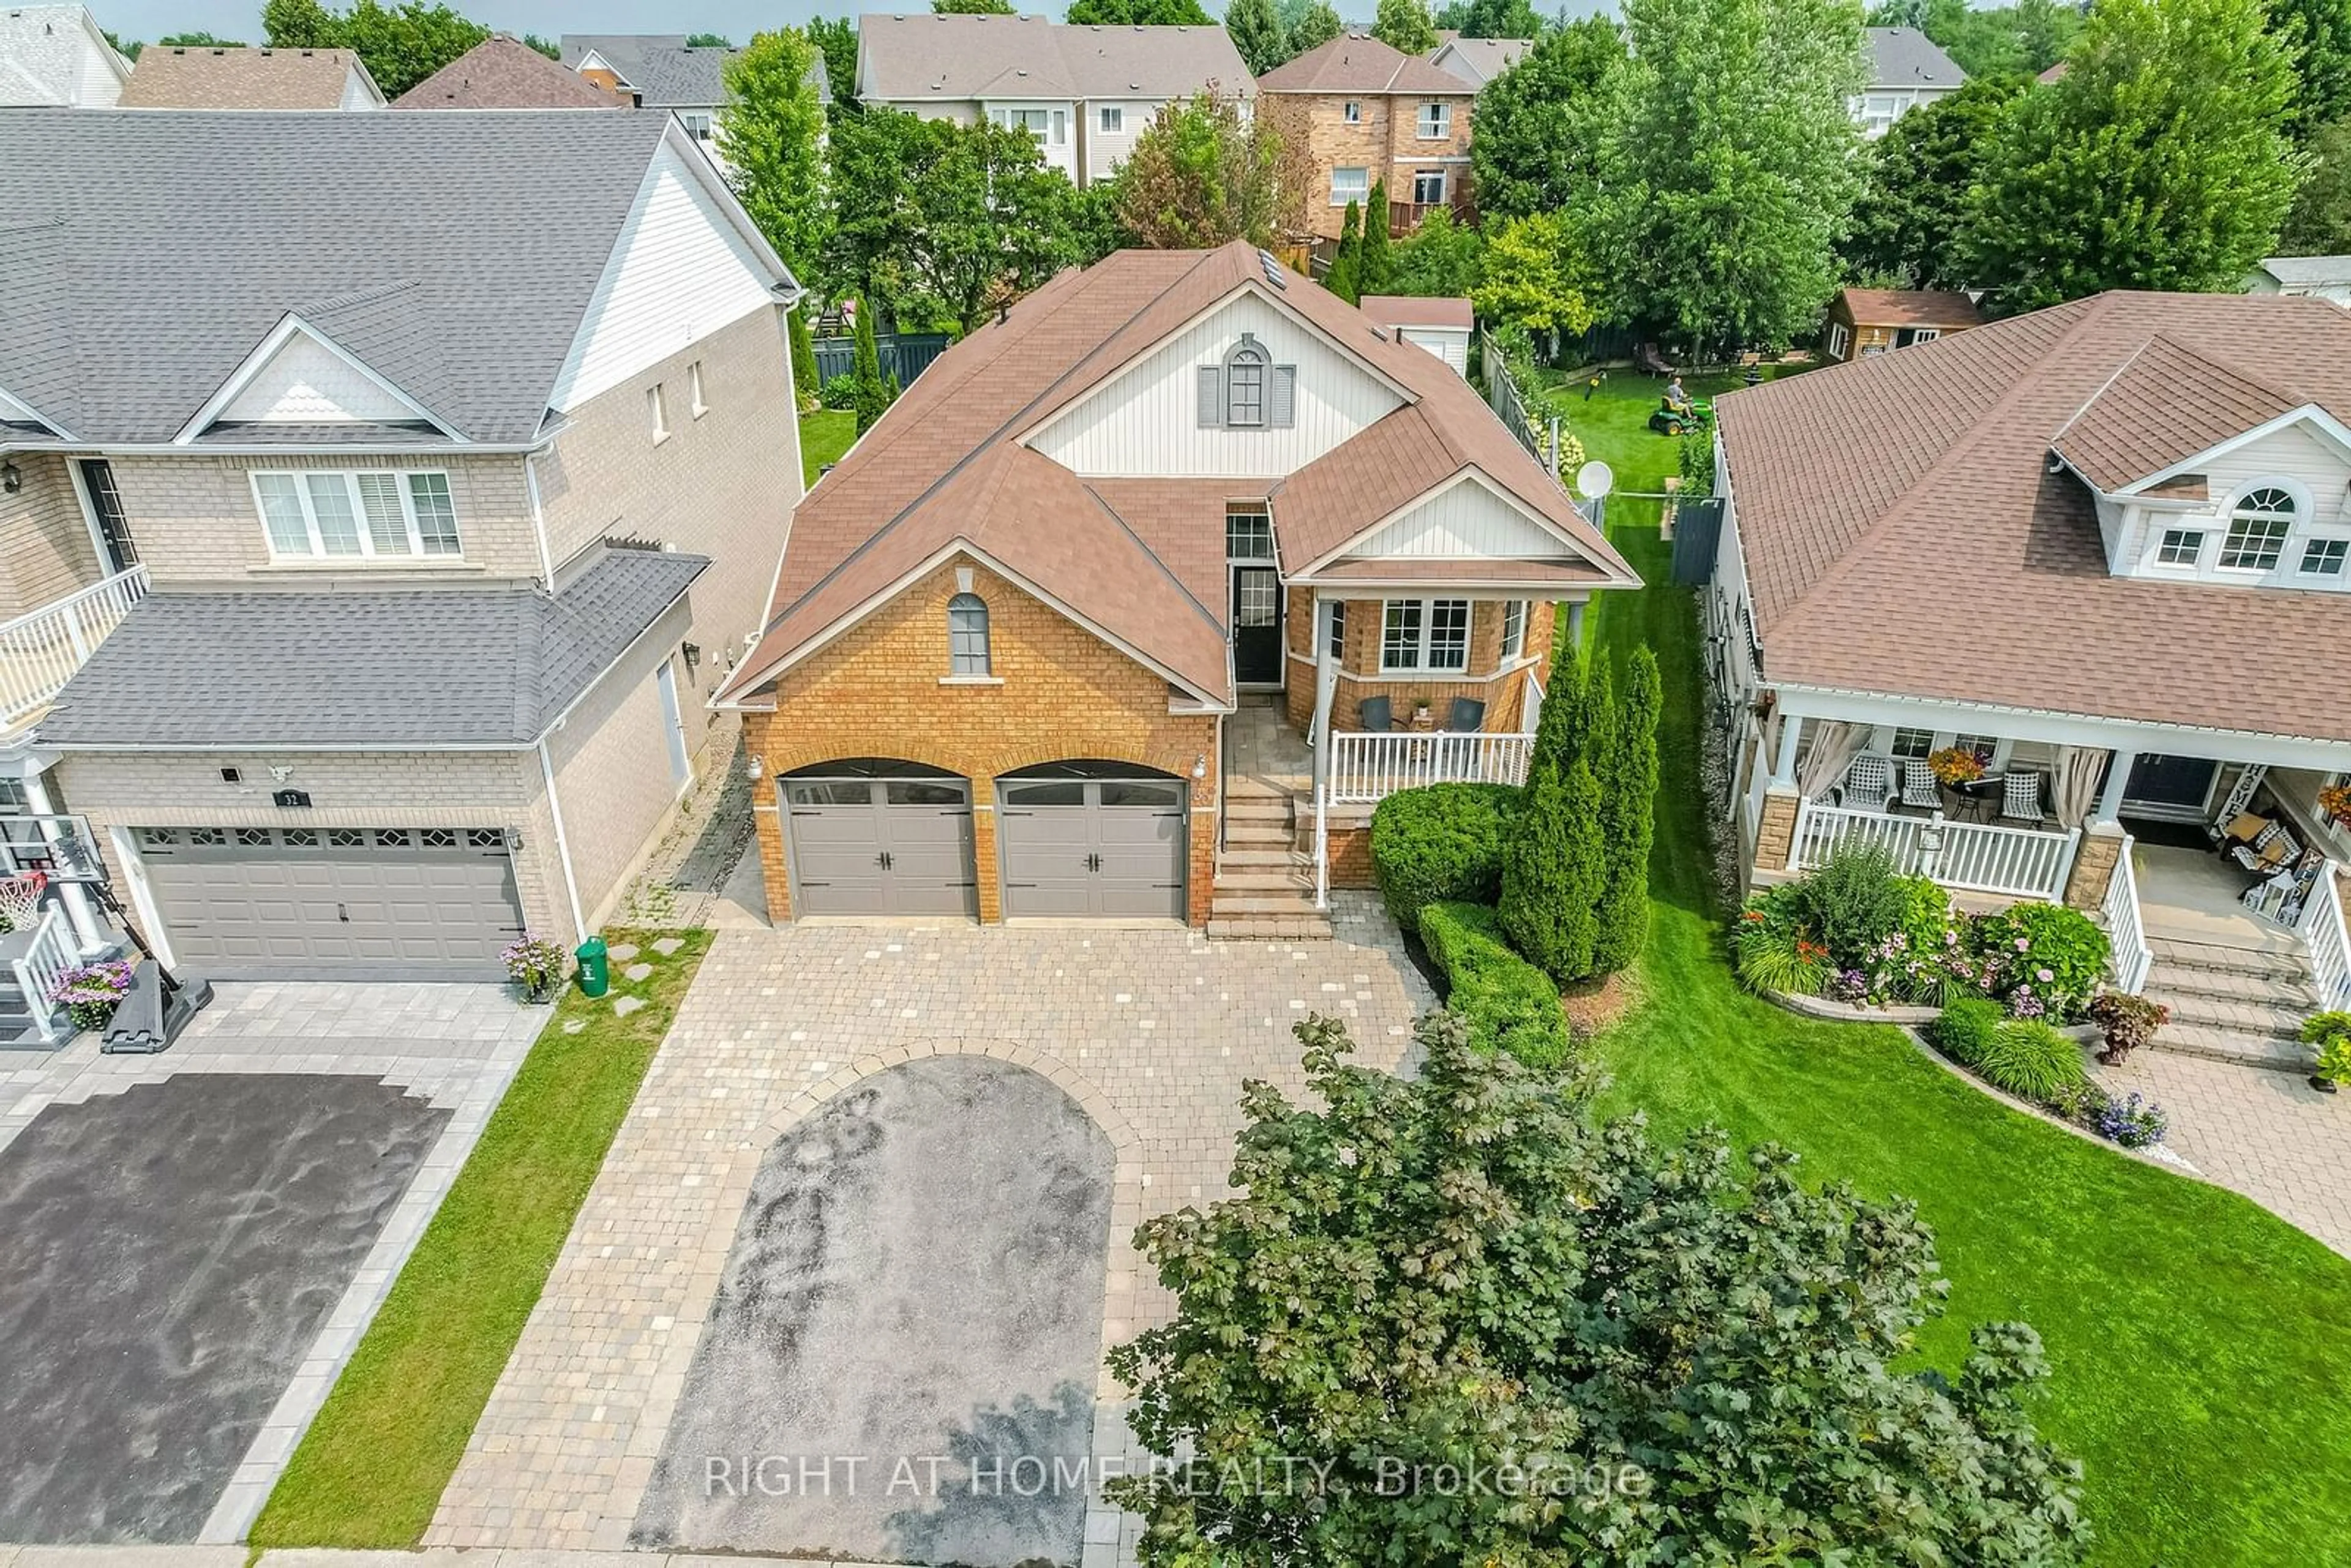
2335	801
1955	764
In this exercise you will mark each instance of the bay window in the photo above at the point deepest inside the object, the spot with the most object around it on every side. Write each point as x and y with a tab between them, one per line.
369	513
1425	635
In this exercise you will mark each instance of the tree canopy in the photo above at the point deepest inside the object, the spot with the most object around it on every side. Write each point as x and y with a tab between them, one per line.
1491	18
2159	161
772	131
1139	14
708	41
1316	25
2028	37
1405	25
1256	33
837	37
1543	124
1907	227
2318	34
974	8
1440	259
2319	221
400	45
1531	275
1200	175
1452	1318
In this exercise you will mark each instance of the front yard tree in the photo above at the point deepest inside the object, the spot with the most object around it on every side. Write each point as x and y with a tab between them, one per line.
400	45
1201	175
1404	25
1907	227
771	128
1554	871
1376	259
1257	35
1735	168
1629	816
2159	161
1542	125
1427	1285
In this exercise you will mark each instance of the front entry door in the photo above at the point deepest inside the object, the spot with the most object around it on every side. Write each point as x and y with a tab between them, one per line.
2173	788
1257	626
113	522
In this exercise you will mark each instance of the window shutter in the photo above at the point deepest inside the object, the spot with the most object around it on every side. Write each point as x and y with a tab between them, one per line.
1281	397
1212	396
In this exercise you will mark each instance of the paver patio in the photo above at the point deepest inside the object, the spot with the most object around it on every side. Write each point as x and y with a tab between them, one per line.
1152	1031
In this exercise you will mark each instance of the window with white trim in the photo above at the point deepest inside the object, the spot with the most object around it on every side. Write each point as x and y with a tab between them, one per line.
657	409
2257	530
1514	627
1911	745
693	389
1353	112
371	515
1431	634
1428	188
1434	122
1245	371
2324	558
1248	532
1838	339
699	123
1350	185
968	653
1113	120
1336	645
2180	546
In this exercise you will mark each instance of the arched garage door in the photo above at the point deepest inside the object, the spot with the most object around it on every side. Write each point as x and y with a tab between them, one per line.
1092	839
871	836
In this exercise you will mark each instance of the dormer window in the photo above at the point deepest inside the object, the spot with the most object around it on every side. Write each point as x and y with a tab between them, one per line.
2258	530
2324	558
1248	390
2180	546
1245	370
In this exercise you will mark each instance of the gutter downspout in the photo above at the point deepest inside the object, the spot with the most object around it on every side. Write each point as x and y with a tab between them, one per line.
562	845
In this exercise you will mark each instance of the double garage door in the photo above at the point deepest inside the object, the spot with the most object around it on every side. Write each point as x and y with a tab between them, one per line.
380	903
1070	842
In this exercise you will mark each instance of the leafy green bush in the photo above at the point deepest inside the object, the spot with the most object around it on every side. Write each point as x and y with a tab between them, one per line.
2043	959
1442	841
1855	902
1965	1031
1773	951
2320	1029
1509	1005
2030	1060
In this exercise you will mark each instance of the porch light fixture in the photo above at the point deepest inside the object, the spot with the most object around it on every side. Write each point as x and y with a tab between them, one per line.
693	651
1200	765
12	478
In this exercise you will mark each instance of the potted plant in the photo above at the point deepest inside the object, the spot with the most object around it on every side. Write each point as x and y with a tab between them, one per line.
90	992
535	966
2335	801
2126	1021
1954	766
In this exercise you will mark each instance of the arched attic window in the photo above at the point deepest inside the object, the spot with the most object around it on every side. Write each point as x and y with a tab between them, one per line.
2258	530
1246	390
967	635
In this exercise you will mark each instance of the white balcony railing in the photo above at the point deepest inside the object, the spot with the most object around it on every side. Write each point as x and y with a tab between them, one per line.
37	972
1371	767
39	652
1976	857
2330	944
2125	933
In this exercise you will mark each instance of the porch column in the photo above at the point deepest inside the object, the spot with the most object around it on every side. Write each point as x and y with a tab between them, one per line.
1783	768
2110	800
1326	684
86	930
1775	824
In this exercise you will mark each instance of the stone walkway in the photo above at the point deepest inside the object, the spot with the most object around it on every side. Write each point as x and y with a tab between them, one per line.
2269	1135
1152	1033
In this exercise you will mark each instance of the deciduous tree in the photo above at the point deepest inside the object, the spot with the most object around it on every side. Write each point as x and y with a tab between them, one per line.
1498	19
974	8
2318	34
837	36
1200	174
771	130
1256	33
1316	26
1543	124
2159	161
402	45
2319	221
1531	276
1139	14
1405	25
1907	224
1440	257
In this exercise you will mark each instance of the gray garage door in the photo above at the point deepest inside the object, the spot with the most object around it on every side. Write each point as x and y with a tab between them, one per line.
1092	846
892	845
335	902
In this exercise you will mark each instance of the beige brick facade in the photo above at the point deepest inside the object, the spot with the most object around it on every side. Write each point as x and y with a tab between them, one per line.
1775	832
45	551
1383	140
2094	866
1499	683
1059	693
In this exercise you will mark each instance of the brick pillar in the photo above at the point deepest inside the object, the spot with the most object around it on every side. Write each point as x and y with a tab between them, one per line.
2094	865
982	852
1200	891
1776	830
767	816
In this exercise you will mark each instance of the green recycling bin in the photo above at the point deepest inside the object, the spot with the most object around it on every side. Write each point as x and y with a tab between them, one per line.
595	968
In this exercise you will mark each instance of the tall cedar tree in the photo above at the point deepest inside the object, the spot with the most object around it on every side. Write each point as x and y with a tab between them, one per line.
1405	25
1543	124
1316	26
1341	279
1629	816
1374	262
2159	161
1200	175
771	128
871	393
400	45
1433	1275
1734	170
806	379
1553	870
1559	728
1907	225
1256	31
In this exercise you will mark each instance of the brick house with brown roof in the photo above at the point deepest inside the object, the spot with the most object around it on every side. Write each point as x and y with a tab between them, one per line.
1053	638
1375	113
2100	554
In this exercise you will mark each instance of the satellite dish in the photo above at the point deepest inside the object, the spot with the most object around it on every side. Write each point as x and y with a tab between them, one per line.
1594	479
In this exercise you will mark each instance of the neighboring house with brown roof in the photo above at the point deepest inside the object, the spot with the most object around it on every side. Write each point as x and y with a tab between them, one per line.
1085	92
2106	549
504	72
57	56
1439	324
1048	641
171	76
1375	113
1867	321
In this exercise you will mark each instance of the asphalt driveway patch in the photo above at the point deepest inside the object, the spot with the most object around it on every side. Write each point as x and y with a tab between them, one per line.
900	1360
167	1257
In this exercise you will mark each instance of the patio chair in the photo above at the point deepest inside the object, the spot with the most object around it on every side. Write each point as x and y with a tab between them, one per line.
1868	781
2019	797
1467	716
1919	788
1375	716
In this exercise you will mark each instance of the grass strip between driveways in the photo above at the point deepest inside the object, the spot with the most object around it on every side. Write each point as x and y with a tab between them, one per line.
371	1469
2199	1347
824	436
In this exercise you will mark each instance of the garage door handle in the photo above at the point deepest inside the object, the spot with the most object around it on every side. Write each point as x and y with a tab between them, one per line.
1094	862
343	913
882	860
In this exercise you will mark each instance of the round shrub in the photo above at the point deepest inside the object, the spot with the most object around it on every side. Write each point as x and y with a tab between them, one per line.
2030	1060
2042	959
1855	902
1441	842
1965	1031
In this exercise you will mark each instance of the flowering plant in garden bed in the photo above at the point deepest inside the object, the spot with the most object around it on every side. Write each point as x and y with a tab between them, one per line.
1956	765
2132	1121
2128	1022
535	963
2043	960
90	992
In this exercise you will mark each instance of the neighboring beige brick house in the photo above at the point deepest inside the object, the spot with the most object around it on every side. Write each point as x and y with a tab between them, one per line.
367	586
1375	113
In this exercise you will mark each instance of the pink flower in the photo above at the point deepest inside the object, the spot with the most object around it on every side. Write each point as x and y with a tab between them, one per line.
2020	943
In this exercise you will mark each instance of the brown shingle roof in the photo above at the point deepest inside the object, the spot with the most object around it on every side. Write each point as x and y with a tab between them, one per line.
504	72
2165	406
954	56
1357	62
1911	308
1903	531
1141	558
175	77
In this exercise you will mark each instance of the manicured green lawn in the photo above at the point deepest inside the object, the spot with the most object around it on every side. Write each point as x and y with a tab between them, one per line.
824	436
2199	1348
1613	423
371	1469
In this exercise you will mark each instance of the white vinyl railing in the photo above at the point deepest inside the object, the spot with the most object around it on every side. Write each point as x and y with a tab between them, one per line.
36	974
1371	767
1974	857
2330	944
39	652
2125	933
1322	848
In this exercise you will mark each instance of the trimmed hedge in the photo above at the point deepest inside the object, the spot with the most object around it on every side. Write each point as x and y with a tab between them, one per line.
1508	1004
1442	842
1967	1030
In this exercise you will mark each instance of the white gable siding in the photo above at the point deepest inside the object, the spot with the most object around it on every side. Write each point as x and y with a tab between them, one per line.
2296	454
306	383
51	56
1465	521
356	94
2307	464
1450	344
1146	421
678	273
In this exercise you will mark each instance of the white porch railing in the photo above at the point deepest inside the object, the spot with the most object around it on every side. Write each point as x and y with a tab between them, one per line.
2125	933
1974	857
36	974
39	652
1371	767
2330	944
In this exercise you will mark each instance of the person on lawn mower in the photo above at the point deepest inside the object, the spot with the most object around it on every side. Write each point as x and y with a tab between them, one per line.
1677	400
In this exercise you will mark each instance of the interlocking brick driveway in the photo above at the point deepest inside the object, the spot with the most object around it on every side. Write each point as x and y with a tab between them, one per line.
1152	1033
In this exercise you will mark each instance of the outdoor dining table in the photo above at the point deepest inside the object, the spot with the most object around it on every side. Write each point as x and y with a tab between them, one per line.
1977	801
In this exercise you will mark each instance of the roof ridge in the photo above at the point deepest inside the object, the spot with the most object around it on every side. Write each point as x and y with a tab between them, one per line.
1151	556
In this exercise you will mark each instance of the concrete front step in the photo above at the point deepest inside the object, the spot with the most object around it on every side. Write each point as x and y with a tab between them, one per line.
2228	1045
1257	809
1295	901
1254	854
1270	928
2233	985
2272	1020
1262	879
2279	964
